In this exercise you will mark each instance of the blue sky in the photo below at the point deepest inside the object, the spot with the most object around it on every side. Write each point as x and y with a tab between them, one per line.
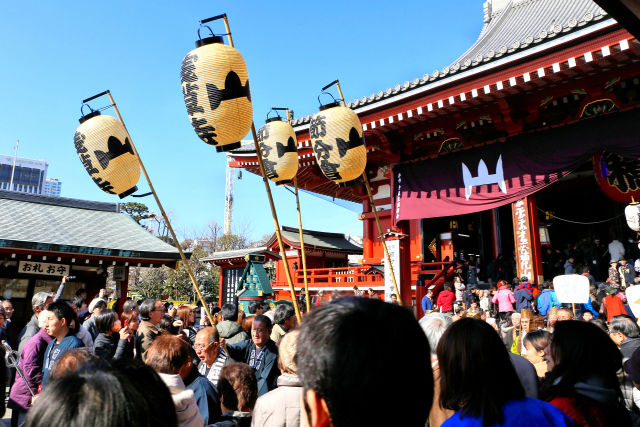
54	54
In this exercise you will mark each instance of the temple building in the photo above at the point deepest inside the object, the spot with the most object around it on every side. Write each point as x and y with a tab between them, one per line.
528	140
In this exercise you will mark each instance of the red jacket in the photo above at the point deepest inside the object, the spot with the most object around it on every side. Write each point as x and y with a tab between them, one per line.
613	306
445	300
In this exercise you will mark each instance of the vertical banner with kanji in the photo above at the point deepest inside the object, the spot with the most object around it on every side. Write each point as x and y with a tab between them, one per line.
522	239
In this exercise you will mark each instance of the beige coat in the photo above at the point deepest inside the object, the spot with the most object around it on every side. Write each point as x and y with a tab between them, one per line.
280	407
147	332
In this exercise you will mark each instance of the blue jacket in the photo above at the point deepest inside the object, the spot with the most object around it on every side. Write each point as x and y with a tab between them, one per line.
546	300
206	396
268	372
517	413
524	298
51	355
426	304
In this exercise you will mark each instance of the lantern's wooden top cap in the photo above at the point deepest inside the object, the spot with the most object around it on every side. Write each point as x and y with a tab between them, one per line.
208	40
330	105
88	116
273	119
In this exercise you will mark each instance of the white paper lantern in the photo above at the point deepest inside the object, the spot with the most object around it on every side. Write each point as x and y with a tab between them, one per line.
632	214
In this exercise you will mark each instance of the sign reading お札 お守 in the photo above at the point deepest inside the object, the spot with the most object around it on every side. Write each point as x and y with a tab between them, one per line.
33	267
522	239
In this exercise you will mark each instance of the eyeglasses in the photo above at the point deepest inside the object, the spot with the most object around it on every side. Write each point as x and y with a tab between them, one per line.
200	346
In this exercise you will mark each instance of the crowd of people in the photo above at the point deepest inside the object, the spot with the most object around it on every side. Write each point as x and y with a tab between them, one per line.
511	356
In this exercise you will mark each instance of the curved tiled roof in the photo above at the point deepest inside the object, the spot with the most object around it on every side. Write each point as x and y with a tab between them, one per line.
520	25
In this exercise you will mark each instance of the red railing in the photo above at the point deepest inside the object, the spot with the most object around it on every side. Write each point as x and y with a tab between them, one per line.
360	276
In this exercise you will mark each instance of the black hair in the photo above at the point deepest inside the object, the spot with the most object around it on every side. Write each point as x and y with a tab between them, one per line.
147	307
62	310
264	320
538	338
105	320
104	398
229	312
129	305
476	374
625	325
80	292
77	301
600	323
338	349
580	351
283	312
253	306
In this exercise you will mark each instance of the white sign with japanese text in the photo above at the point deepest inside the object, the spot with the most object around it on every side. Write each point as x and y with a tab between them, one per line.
571	288
393	246
34	267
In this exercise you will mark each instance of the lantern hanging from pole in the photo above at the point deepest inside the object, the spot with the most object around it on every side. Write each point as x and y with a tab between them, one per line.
338	143
215	86
277	141
106	152
632	214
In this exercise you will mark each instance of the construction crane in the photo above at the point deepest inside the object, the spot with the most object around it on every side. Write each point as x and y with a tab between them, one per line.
228	198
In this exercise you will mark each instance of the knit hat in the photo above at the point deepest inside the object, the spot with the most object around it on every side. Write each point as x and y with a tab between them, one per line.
94	302
611	290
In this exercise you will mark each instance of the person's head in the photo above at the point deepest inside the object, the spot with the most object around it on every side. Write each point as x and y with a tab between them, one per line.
622	262
580	351
40	301
285	316
229	312
61	320
534	343
237	387
564	314
342	343
476	374
394	299
151	310
552	316
256	308
434	325
623	327
130	319
82	293
261	330
600	323
3	316
587	316
72	361
107	322
8	308
287	352
207	344
43	319
446	287
169	354
515	319
186	313
129	306
97	305
78	304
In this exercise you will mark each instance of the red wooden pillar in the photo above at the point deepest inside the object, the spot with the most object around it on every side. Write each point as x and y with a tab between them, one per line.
495	233
405	264
535	240
221	289
124	288
367	232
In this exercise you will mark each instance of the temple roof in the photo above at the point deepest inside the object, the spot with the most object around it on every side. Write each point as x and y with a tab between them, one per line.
514	28
317	239
239	253
57	224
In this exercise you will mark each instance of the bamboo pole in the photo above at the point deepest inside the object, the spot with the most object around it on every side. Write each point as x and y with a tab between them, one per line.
304	256
273	209
375	214
164	215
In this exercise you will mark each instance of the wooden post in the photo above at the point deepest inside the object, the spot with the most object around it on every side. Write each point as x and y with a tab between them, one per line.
273	209
164	215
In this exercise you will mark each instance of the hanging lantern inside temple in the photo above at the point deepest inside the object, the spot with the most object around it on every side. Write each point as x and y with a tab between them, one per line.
106	152
277	141
632	214
338	144
215	85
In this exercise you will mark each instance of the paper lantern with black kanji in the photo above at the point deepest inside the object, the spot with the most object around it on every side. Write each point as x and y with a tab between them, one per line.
215	85
632	215
106	152
277	141
338	143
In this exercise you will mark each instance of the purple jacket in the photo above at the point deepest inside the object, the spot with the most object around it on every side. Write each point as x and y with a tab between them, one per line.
31	361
